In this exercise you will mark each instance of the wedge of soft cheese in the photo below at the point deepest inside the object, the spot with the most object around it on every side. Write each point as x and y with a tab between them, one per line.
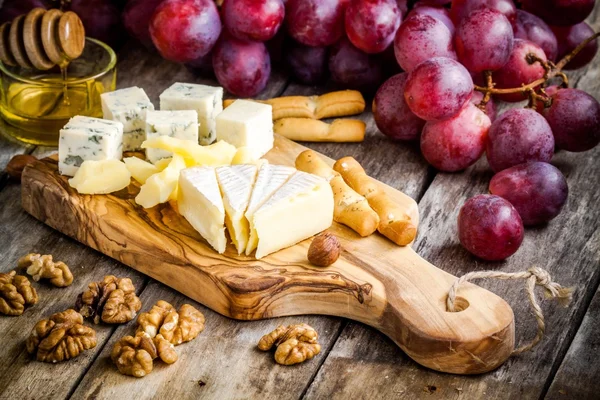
85	138
207	101
299	209
236	184
269	179
199	201
247	124
129	107
178	124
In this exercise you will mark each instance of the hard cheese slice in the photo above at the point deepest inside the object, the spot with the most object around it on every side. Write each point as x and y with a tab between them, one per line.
199	201
269	179
299	209
236	184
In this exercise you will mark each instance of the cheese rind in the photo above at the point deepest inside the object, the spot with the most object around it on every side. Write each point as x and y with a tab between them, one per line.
247	124
269	179
178	124
199	201
129	107
236	183
207	101
86	138
299	209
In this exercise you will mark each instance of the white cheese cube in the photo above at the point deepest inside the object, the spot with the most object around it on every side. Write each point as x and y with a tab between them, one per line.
86	138
247	123
206	100
299	209
129	107
178	124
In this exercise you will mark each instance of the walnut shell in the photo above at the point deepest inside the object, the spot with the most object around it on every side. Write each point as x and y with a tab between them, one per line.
324	250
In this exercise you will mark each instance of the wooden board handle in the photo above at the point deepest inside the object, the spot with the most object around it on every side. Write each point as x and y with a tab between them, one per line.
375	282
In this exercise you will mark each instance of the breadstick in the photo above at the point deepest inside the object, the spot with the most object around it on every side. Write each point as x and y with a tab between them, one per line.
350	208
312	130
329	105
394	223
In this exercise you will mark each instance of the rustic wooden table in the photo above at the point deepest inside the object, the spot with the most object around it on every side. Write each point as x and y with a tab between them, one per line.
357	362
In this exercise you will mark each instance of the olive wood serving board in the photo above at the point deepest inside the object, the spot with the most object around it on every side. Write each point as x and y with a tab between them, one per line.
374	281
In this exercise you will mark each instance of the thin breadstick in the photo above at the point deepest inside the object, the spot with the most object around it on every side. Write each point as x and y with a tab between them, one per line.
395	224
312	130
330	105
350	208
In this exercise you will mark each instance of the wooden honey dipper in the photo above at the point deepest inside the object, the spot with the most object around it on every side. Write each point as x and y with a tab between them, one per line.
42	39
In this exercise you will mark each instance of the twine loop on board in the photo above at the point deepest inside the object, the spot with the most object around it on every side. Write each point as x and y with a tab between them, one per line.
533	277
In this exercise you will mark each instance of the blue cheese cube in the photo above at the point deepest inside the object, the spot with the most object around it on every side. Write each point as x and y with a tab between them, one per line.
129	107
178	124
85	138
206	100
247	123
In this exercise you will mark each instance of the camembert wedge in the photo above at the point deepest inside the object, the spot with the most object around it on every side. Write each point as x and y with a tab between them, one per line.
199	201
236	184
299	209
269	179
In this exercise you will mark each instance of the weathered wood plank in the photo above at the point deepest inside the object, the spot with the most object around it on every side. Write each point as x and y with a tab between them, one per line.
577	377
20	234
572	261
223	362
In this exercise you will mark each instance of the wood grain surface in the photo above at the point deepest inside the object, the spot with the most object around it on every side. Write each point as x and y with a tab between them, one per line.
376	282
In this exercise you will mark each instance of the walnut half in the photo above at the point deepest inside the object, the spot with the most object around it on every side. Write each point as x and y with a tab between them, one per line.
113	300
294	343
43	267
60	337
175	326
16	293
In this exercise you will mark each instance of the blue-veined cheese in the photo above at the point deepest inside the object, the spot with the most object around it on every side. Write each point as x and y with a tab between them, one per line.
247	124
178	124
199	201
86	138
207	101
129	107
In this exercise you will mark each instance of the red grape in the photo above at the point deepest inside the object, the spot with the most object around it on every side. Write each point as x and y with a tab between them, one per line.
463	8
537	190
202	66
101	20
457	143
490	227
242	67
439	13
550	91
253	19
518	136
490	106
569	37
184	30
392	115
420	38
574	117
484	40
372	24
533	28
438	89
402	6
307	64
352	68
437	3
518	71
315	22
560	12
136	18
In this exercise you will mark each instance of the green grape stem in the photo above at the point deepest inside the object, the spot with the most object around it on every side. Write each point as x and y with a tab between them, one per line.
551	71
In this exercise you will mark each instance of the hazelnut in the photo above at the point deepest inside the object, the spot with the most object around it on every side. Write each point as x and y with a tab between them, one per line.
17	164
324	250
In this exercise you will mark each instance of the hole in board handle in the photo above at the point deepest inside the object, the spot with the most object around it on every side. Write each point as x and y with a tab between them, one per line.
460	304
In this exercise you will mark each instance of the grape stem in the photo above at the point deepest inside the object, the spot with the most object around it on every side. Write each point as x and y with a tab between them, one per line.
551	71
